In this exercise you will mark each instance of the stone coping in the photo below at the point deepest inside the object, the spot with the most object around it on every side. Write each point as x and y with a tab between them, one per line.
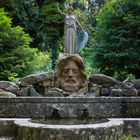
69	100
26	122
22	122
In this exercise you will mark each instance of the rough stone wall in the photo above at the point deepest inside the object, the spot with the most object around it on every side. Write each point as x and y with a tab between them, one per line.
102	107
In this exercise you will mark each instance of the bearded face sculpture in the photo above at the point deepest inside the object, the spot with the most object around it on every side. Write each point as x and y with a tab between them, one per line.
70	73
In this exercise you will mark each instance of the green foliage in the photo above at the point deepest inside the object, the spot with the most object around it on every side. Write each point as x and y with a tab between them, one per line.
126	138
124	75
117	36
16	58
54	29
41	20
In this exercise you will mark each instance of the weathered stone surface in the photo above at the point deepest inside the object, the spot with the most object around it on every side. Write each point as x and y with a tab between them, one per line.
57	92
101	131
105	91
97	107
116	92
103	80
35	78
131	127
6	94
54	92
14	89
6	84
91	95
136	83
7	129
138	92
18	129
29	91
127	93
124	89
77	95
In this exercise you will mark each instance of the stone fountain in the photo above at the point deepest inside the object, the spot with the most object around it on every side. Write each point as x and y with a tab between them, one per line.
68	111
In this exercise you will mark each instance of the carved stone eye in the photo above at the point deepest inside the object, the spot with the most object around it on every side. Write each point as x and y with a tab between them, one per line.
75	71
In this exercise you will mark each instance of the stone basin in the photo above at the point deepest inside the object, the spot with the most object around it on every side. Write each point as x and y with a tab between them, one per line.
26	129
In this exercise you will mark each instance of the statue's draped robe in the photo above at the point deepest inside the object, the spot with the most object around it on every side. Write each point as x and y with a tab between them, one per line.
70	34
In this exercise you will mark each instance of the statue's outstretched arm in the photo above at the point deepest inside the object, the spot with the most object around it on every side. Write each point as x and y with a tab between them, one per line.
60	10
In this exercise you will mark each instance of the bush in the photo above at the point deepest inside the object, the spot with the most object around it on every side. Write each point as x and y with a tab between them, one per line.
17	59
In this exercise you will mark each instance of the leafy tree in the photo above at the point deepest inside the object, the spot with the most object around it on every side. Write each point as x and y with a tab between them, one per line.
117	36
16	58
53	28
41	21
26	14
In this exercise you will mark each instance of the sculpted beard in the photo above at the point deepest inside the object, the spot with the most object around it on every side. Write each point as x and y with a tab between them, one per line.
70	84
70	80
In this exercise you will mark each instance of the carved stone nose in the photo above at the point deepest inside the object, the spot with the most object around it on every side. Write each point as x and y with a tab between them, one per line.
70	73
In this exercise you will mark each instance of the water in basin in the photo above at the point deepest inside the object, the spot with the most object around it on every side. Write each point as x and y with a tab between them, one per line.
69	121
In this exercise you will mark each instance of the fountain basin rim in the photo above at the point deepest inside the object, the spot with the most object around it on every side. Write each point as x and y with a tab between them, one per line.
29	124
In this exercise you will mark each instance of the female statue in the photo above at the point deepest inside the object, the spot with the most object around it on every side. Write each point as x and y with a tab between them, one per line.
70	31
